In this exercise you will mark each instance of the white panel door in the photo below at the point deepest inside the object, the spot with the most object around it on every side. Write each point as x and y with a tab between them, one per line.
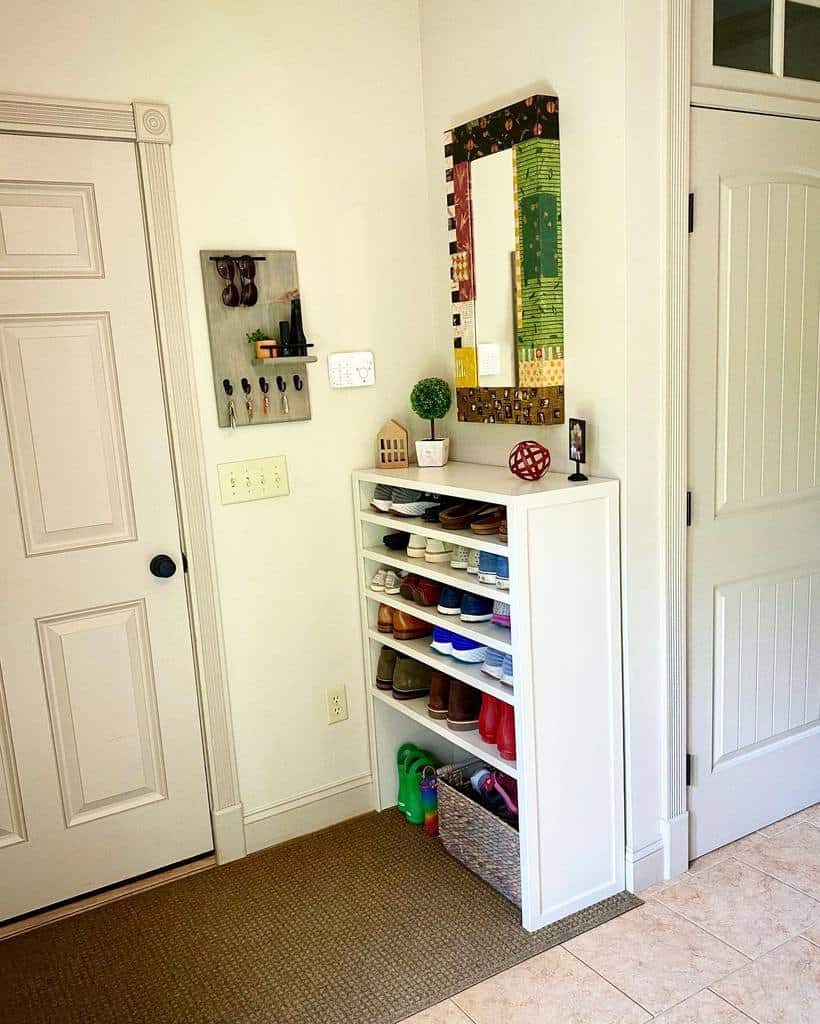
102	774
754	471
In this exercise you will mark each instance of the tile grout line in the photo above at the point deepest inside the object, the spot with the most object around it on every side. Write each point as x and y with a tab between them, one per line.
461	1009
728	1002
749	864
603	977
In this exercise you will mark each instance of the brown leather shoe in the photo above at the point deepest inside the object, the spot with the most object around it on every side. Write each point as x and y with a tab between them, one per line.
464	707
408	627
490	520
385	668
439	700
385	619
411	678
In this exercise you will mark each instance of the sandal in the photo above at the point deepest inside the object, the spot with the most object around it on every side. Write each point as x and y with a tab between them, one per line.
489	520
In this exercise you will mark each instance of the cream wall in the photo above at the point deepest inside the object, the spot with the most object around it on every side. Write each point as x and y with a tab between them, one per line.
296	126
602	59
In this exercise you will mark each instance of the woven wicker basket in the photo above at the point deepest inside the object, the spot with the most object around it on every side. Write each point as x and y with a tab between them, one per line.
482	842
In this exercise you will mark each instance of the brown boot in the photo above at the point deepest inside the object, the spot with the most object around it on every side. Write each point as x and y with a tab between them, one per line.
439	695
408	627
464	707
385	619
385	668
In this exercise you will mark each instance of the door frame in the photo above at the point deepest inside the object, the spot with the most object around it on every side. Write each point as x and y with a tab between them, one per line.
148	125
681	96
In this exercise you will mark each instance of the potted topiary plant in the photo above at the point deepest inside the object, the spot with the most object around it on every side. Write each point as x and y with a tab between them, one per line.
430	399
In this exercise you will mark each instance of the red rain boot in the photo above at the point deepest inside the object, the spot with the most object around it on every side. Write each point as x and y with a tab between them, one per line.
489	718
506	733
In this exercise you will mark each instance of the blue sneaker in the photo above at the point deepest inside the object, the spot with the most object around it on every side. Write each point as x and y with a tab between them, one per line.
442	640
493	663
476	609
450	601
507	670
467	650
487	567
502	573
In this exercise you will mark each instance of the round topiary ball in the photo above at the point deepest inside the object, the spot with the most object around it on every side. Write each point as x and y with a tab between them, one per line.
431	398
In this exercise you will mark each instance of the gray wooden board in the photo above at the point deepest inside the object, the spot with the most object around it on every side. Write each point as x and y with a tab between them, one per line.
233	358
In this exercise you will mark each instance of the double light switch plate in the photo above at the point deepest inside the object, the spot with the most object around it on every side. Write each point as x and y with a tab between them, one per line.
253	479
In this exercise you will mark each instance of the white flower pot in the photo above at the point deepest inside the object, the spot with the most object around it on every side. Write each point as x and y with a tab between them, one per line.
433	453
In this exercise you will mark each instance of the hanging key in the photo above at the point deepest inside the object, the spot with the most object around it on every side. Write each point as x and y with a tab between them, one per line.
246	387
264	387
282	384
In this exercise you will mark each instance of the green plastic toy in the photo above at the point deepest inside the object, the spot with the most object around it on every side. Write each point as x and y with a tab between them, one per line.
414	809
406	755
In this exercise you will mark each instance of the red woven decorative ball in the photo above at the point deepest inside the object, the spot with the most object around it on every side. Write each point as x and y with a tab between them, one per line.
529	460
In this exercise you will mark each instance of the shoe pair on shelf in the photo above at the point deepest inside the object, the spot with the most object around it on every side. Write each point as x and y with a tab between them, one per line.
429	550
494	570
481	518
405	676
404	501
473	607
386	580
454	701
401	624
459	647
496	724
425	592
499	666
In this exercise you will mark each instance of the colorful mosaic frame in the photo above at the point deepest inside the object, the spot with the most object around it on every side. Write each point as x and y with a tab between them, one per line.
530	129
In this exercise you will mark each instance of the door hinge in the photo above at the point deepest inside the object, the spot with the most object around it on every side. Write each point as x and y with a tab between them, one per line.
691	221
184	562
688	769
688	508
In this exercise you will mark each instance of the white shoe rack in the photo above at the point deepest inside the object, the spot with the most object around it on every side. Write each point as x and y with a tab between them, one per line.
565	642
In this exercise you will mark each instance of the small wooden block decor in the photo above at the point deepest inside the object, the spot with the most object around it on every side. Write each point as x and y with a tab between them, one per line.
392	446
529	460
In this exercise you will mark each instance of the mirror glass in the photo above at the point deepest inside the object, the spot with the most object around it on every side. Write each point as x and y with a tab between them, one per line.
494	214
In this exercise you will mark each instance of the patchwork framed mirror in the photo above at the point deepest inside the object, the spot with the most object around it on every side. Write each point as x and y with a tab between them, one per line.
503	174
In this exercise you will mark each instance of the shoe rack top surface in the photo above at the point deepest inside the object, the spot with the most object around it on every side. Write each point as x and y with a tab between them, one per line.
486	483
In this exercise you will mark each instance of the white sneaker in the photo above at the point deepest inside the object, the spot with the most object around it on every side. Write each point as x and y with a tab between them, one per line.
407	502
382	497
472	561
416	546
392	582
460	557
378	581
437	551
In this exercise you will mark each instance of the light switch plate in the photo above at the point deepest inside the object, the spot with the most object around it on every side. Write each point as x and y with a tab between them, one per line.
253	479
351	369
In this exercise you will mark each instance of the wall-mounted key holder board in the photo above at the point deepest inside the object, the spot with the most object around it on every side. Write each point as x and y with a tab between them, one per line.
247	291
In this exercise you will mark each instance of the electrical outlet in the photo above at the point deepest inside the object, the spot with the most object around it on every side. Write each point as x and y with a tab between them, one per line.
336	704
253	480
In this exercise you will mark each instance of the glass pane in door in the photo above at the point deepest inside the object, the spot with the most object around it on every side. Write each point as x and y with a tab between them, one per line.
743	34
801	57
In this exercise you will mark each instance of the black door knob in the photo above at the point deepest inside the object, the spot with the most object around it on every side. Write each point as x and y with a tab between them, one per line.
163	566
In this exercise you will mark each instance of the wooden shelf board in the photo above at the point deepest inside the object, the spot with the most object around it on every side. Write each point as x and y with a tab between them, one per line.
467	673
439	571
497	637
286	359
467	538
483	483
470	741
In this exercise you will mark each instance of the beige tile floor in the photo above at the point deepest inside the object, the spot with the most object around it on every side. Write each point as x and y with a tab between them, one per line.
735	940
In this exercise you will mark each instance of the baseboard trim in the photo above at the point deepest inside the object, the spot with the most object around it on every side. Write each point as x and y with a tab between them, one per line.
309	812
309	796
229	834
644	866
675	835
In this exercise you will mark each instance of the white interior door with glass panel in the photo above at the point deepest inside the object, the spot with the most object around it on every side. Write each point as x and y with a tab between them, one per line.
102	774
767	47
754	471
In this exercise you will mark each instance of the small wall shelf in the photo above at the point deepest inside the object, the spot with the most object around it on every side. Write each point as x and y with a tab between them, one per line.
564	600
286	359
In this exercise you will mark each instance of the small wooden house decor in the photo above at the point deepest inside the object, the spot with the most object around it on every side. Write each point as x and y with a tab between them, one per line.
391	443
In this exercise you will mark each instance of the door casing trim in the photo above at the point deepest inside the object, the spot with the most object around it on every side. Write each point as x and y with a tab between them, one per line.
148	125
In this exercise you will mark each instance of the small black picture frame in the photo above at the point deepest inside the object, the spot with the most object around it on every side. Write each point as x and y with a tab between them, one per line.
577	446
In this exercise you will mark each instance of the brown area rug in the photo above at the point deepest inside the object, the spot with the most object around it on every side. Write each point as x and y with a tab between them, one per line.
364	923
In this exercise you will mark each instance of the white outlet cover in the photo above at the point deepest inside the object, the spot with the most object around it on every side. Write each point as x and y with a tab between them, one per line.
351	369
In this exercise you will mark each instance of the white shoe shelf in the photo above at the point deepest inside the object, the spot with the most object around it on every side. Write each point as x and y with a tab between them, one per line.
564	598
